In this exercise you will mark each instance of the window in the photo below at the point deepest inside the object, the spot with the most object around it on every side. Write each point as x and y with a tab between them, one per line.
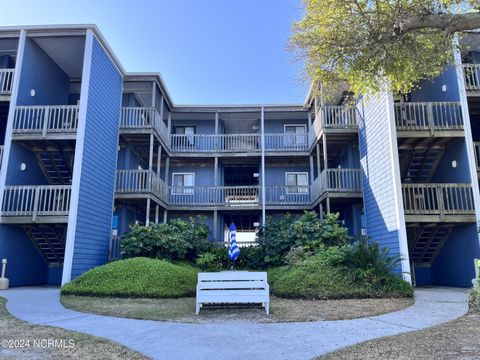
186	130
297	183
295	135
183	183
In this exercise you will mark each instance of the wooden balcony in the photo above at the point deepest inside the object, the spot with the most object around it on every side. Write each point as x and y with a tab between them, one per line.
134	120
340	183
132	184
438	203
6	81
281	195
429	119
238	143
41	122
335	119
214	196
37	204
471	73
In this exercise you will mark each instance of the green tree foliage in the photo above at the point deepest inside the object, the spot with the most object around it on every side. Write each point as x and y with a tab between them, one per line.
176	240
365	42
281	234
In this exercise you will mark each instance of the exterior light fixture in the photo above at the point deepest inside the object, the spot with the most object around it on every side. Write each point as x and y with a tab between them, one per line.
444	88
23	166
32	92
454	164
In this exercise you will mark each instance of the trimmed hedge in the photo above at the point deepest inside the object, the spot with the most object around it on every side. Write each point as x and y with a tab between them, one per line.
136	277
316	279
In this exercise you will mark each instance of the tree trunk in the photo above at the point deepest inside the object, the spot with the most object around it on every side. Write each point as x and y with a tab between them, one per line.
448	23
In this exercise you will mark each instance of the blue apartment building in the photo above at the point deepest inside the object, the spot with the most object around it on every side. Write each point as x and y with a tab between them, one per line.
87	149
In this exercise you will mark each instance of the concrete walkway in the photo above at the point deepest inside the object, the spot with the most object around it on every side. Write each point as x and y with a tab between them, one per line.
237	340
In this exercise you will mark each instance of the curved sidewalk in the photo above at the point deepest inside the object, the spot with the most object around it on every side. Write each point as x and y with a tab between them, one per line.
237	340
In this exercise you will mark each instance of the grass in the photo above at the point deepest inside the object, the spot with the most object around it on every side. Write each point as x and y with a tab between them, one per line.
281	310
85	347
137	277
316	279
457	339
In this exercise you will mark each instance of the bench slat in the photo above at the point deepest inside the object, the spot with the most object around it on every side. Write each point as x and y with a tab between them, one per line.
232	276
255	284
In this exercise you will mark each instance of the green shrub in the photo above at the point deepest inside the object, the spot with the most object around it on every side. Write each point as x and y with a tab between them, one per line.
136	277
216	259
175	240
369	263
333	273
281	234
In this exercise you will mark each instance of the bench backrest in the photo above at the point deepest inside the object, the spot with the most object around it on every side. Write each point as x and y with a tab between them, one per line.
477	268
232	280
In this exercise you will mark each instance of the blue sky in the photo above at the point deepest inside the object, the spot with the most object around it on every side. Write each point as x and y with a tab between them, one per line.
208	51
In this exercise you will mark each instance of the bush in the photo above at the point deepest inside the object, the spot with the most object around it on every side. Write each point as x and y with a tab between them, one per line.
216	259
137	277
175	240
357	271
280	235
369	263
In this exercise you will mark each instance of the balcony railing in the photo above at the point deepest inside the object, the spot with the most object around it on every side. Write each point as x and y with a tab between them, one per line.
428	116
471	73
34	201
238	142
6	81
286	142
335	117
476	148
287	195
438	199
45	120
214	195
140	181
1	155
132	118
341	180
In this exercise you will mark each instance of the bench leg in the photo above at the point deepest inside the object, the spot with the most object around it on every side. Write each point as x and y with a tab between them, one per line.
267	308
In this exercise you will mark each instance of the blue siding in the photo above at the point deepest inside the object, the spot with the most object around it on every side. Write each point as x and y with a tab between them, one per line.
445	173
94	218
33	174
201	126
41	73
378	175
204	174
454	265
25	264
431	90
349	158
275	175
278	126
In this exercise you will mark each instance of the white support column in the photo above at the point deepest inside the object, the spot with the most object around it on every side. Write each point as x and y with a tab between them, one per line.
147	215
150	156
215	225
262	132
165	216
325	155
215	174
157	213
468	135
159	159
167	169
312	175
327	201
216	131
169	123
319	165
161	108
154	93
309	124
320	210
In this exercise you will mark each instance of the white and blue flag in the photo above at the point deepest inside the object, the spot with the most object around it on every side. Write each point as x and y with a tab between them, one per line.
233	250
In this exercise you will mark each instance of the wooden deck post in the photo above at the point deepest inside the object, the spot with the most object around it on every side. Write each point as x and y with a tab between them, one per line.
150	156
147	216
165	216
319	166
159	159
215	224
262	132
312	175
167	170
157	213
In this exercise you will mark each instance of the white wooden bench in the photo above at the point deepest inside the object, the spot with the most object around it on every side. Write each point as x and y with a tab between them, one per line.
233	287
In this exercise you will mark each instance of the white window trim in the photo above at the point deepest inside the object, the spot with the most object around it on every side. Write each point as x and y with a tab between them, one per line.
294	173
295	142
173	183
294	125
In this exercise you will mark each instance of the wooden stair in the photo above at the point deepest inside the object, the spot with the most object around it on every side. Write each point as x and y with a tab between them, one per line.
50	242
427	242
419	165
